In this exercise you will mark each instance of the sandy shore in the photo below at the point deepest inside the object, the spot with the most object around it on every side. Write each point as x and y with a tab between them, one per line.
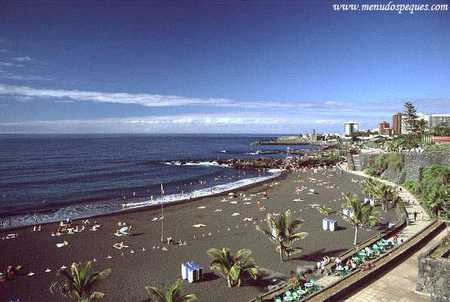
133	268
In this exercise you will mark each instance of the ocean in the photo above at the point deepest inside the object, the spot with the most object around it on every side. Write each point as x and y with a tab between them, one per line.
47	178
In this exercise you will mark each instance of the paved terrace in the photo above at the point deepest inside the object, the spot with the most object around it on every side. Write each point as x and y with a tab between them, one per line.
385	287
414	234
399	284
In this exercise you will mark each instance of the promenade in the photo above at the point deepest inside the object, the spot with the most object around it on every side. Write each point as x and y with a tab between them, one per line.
400	283
418	220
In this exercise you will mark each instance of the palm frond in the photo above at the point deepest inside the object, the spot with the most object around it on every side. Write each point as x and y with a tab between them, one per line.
188	298
155	292
293	225
173	291
298	236
97	295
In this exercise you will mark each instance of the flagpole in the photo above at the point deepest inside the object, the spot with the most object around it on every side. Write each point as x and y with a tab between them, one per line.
162	222
162	214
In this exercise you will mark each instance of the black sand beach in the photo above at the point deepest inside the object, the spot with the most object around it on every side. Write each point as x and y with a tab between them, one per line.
133	267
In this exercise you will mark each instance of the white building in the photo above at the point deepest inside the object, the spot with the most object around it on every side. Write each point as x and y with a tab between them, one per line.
438	119
350	128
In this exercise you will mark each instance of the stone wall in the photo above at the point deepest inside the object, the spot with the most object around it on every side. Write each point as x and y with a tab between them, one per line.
414	163
433	276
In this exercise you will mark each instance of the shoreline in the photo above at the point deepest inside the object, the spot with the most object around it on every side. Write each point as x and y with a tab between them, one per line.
214	221
278	175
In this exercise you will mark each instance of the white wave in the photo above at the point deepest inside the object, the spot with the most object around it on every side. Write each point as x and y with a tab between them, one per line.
201	163
95	209
203	192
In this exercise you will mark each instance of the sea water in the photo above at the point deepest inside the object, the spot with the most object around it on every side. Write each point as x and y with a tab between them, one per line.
52	177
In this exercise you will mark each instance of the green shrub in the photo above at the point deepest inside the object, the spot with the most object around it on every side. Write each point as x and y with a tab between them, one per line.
411	186
394	160
370	171
378	164
434	188
437	147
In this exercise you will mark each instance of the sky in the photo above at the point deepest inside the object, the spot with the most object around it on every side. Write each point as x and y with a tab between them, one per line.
215	67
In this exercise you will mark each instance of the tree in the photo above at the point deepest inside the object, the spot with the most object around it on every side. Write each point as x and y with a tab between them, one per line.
421	126
80	282
435	188
233	268
441	130
324	210
410	114
369	187
436	200
361	214
172	293
381	192
282	231
395	144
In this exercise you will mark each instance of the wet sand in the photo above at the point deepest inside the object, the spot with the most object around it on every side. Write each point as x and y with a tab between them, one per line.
36	251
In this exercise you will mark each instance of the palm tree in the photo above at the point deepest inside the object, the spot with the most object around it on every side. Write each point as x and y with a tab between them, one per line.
361	214
324	210
437	199
282	232
233	267
172	294
80	282
369	187
441	130
380	192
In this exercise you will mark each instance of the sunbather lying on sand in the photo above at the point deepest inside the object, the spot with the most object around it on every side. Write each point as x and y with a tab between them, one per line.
119	245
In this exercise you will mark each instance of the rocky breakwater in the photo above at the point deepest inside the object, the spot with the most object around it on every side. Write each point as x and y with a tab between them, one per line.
257	163
290	163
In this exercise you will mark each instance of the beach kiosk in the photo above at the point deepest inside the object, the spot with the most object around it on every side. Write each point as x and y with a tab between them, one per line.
329	224
191	271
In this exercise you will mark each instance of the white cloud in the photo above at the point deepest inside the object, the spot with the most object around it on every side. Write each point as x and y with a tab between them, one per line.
7	64
18	77
182	123
22	59
144	99
185	119
334	103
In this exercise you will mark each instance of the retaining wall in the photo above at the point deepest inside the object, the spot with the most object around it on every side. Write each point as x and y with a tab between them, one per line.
414	163
434	276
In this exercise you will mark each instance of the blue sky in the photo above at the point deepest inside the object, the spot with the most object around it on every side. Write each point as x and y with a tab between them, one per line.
205	66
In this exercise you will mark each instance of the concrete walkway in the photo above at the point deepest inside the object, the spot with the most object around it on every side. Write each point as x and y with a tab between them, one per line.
399	284
412	206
